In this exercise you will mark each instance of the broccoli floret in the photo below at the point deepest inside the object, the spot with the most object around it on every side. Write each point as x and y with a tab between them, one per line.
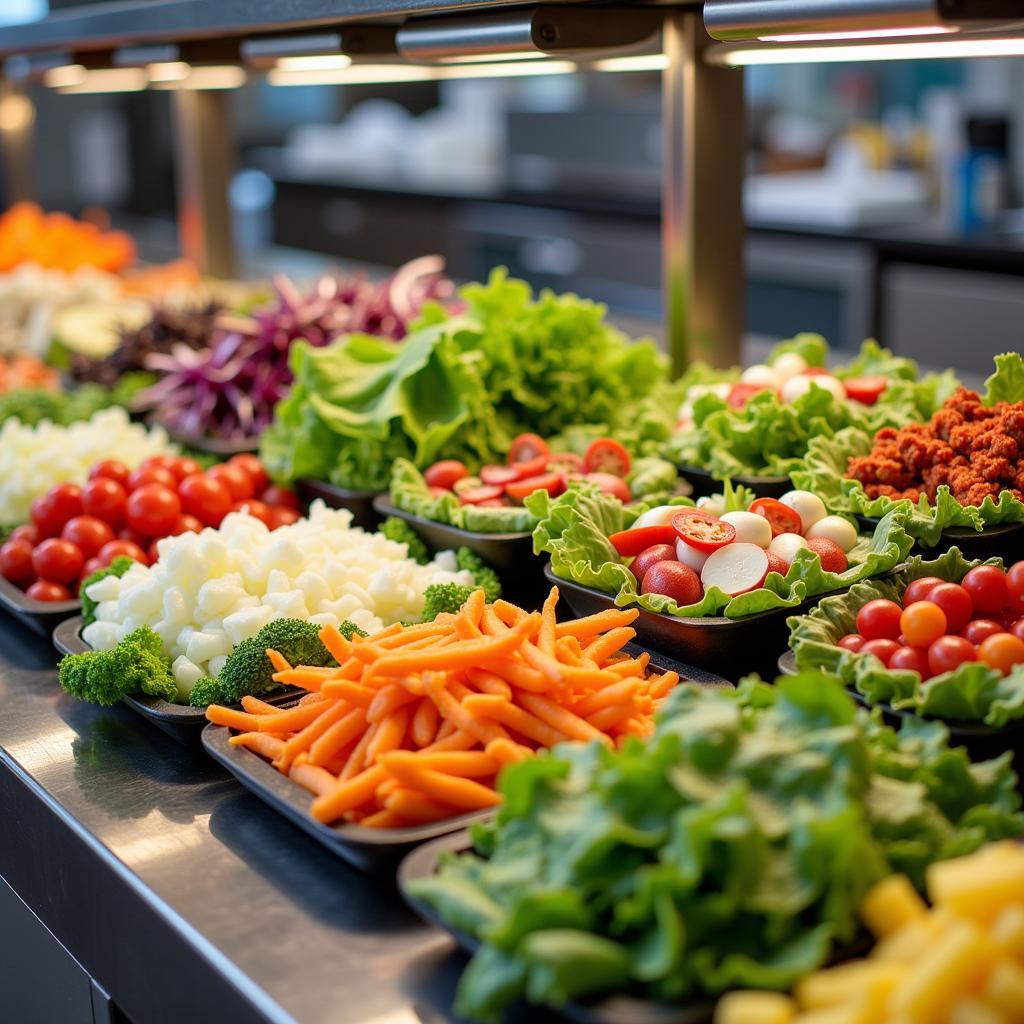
204	691
32	406
401	532
349	629
439	598
136	665
118	567
484	575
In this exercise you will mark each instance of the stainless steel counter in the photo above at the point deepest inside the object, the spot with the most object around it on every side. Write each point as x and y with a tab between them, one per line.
183	896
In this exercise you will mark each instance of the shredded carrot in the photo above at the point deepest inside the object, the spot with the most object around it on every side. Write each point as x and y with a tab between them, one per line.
416	723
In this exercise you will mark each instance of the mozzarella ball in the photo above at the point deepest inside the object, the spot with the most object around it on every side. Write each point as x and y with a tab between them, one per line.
789	364
657	516
834	528
808	506
762	375
802	383
713	504
690	556
786	546
750	528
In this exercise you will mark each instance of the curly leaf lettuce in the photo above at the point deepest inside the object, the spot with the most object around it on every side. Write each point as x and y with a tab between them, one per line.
1006	384
574	529
812	348
973	692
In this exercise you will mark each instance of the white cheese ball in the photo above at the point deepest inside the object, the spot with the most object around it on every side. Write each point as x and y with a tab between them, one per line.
690	556
802	383
657	516
713	504
762	375
788	365
750	528
807	505
835	528
786	546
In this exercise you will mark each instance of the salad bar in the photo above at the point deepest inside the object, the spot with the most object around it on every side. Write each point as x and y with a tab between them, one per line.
695	699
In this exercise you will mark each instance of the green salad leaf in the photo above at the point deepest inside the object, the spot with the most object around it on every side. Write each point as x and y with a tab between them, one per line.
812	348
1006	384
731	850
972	692
574	529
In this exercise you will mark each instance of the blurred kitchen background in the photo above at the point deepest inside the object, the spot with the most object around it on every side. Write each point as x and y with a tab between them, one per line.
882	199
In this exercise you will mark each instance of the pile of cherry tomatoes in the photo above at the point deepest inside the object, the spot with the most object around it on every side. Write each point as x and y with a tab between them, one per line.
77	530
941	625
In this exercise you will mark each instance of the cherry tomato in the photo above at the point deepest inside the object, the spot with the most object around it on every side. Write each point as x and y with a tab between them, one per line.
57	560
865	389
44	519
478	495
979	629
781	518
919	589
674	580
47	590
151	475
254	507
911	658
1017	629
646	558
65	501
117	548
955	602
111	469
208	500
833	557
92	565
879	620
609	483
1015	580
701	531
922	624
606	455
742	391
445	473
526	447
632	542
235	479
188	524
26	532
530	467
882	648
16	562
252	465
565	462
499	476
87	533
153	510
1011	613
151	552
185	466
988	588
553	483
852	642
281	496
105	499
949	651
282	516
126	533
776	563
1002	651
164	461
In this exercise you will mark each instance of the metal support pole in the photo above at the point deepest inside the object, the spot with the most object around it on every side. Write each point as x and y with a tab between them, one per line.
17	118
702	198
204	166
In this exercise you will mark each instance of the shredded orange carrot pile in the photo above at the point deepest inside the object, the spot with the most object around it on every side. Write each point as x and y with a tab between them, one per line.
416	723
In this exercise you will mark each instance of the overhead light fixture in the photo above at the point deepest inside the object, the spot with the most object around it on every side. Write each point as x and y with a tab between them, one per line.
105	80
168	71
635	62
480	58
319	50
315	62
381	74
210	76
64	76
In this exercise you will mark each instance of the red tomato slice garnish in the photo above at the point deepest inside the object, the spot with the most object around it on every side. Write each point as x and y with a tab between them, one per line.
498	476
781	518
631	542
570	462
478	495
606	455
553	483
530	467
865	389
446	473
741	392
526	447
701	531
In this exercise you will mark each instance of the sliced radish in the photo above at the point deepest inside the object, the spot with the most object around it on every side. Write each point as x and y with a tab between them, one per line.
690	556
807	505
735	569
657	516
786	545
750	528
835	528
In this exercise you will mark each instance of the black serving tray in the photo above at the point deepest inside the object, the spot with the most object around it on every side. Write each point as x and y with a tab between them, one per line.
370	849
179	721
359	503
732	647
617	1009
983	742
41	616
509	554
704	483
1004	541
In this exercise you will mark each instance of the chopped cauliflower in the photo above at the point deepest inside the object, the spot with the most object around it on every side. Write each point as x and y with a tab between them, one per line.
209	591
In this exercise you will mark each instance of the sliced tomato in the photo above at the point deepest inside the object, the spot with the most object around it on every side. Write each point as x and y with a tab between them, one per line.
492	503
446	473
781	518
530	467
498	476
553	483
815	371
606	455
609	483
632	542
741	392
478	495
526	447
865	389
570	462
701	531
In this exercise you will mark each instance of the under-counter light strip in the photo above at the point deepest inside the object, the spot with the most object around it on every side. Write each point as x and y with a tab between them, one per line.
369	74
867	33
315	62
918	50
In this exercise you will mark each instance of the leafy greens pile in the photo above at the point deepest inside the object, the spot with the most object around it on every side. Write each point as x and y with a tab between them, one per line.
972	692
463	386
732	850
574	530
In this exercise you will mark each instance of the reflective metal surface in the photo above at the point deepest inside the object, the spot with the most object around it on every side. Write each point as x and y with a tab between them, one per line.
182	895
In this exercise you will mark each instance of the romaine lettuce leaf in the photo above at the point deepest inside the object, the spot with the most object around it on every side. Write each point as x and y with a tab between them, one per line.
1006	384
